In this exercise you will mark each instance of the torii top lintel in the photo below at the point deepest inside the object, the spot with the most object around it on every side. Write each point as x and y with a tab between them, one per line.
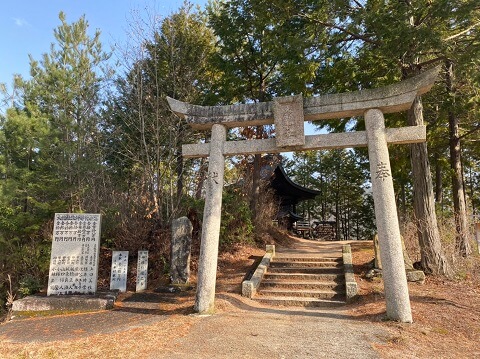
392	98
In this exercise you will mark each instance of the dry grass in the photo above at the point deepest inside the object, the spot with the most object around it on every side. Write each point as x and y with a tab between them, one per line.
144	341
446	313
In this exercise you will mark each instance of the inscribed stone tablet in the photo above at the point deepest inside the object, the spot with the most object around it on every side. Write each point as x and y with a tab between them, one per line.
142	271
75	251
118	278
289	118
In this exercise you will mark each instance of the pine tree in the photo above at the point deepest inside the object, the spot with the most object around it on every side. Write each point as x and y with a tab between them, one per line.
66	89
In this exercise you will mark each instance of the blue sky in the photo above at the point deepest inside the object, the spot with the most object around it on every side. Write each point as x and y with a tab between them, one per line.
27	26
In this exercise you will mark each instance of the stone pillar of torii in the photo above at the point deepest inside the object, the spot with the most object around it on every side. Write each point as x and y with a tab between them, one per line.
288	114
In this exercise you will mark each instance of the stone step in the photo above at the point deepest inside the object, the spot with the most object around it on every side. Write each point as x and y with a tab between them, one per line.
306	259
331	277
306	270
308	281
298	264
288	284
298	301
319	294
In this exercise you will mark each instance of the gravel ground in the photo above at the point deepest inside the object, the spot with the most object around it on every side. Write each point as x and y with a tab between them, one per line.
241	328
277	333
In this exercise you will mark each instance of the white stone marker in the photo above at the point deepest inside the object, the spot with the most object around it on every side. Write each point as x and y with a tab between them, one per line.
118	278
391	254
207	271
75	252
142	271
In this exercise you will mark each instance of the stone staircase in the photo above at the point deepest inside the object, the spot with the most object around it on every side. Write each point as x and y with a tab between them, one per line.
293	280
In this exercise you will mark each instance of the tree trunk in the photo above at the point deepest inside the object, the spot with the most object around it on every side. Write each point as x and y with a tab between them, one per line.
256	179
403	204
179	177
462	243
432	258
338	219
438	181
254	199
202	173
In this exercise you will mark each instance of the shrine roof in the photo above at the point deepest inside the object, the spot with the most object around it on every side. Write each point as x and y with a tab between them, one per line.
290	191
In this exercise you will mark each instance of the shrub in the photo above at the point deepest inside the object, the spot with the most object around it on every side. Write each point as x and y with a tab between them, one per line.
236	224
29	285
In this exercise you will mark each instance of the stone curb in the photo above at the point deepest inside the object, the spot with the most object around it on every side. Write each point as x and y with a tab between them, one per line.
249	287
350	283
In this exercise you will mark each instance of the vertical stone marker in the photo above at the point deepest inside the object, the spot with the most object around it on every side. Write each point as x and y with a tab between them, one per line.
75	251
118	279
180	251
142	271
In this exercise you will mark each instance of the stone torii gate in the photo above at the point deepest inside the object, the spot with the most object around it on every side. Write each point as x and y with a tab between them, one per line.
288	115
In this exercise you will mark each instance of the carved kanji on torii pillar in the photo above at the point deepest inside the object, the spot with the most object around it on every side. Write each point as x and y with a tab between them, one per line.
288	114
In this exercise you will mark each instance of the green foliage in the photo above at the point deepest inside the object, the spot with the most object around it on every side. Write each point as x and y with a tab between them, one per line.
29	285
50	159
236	224
66	92
373	43
264	50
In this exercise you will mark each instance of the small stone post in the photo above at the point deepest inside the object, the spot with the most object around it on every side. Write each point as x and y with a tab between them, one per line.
207	271
391	254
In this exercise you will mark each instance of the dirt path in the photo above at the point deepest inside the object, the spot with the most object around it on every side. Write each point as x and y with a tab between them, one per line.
240	329
276	333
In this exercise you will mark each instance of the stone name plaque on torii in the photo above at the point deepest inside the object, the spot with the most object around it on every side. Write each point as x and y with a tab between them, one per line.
287	113
289	119
75	253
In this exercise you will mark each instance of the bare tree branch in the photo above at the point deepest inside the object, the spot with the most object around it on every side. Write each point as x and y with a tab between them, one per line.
462	32
468	133
357	36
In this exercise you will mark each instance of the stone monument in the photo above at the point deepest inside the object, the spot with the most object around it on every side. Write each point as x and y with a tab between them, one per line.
180	251
118	278
75	253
